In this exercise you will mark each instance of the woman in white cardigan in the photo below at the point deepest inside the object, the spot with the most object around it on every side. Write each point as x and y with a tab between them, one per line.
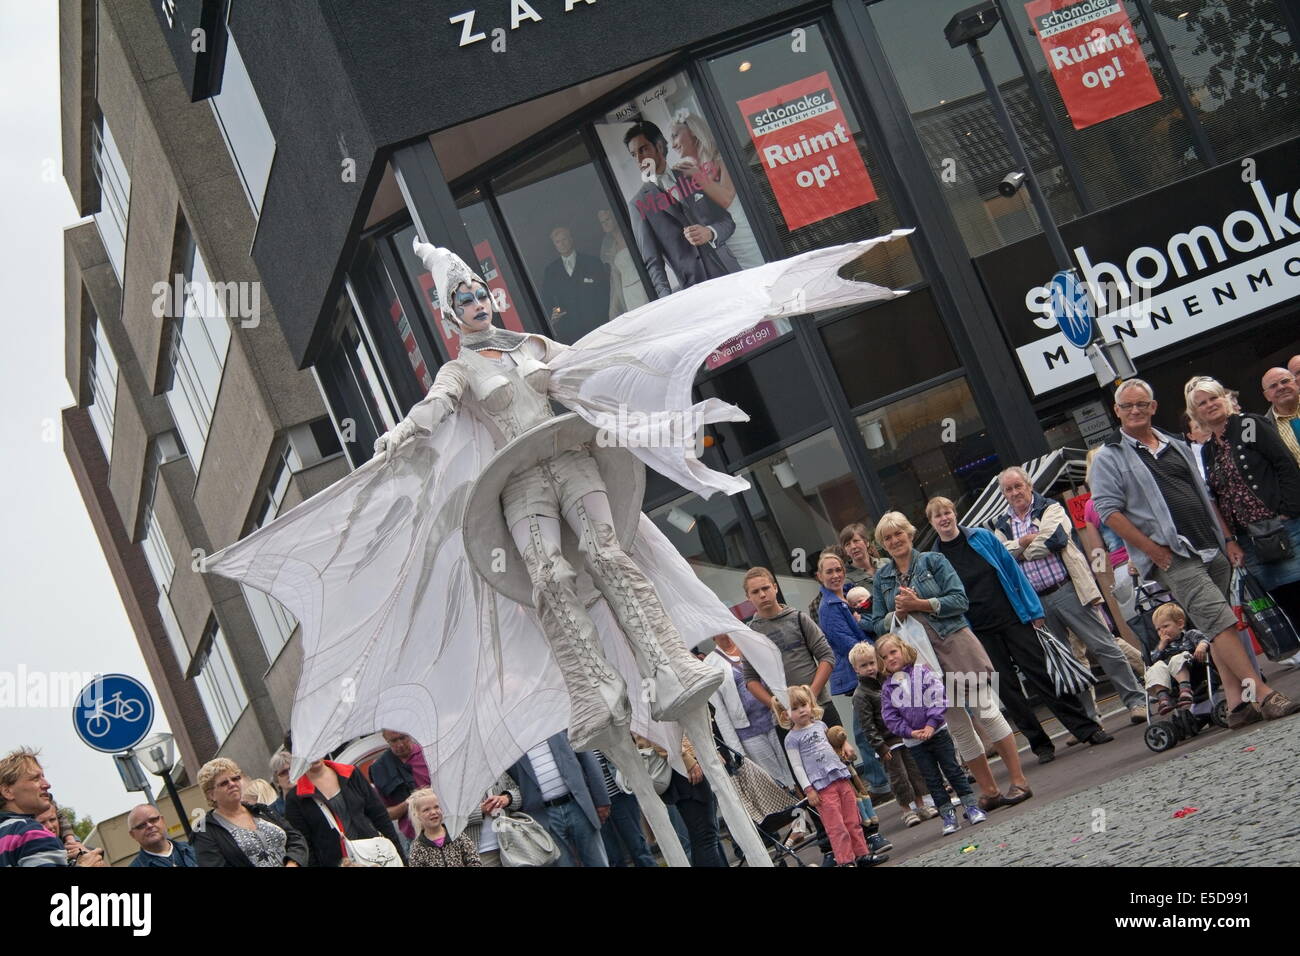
746	724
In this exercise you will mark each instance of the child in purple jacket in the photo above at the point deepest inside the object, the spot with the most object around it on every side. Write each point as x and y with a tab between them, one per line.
912	704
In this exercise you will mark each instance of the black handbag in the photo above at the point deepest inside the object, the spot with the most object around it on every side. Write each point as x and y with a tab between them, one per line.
1272	540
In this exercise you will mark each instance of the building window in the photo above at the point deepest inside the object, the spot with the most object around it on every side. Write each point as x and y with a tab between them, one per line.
1239	63
889	347
156	552
200	339
927	444
101	370
220	688
114	194
800	498
174	634
709	535
274	623
551	204
244	127
390	328
166	447
776	388
817	180
355	390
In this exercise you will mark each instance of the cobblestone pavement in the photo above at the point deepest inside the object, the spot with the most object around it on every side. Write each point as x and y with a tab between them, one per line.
1245	788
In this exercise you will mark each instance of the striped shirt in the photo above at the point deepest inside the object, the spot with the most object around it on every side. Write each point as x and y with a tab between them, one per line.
611	787
1043	573
1177	485
1288	426
24	842
547	772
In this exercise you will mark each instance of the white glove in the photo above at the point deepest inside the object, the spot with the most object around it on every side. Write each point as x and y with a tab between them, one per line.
389	442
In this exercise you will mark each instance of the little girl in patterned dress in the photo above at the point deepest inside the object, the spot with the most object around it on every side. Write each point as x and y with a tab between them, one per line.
824	777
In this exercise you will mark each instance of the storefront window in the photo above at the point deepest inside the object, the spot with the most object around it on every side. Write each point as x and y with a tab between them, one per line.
800	499
805	152
958	129
1239	63
1128	150
689	222
709	535
390	328
552	205
776	389
932	443
889	347
355	389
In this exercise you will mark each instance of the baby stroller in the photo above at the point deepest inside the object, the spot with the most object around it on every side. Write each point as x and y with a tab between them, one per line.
771	806
1209	704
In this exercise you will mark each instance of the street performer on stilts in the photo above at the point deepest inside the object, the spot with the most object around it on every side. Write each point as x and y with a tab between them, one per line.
424	579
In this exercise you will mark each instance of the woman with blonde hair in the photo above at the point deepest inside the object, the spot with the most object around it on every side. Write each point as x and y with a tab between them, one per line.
927	586
693	140
236	833
433	845
1255	484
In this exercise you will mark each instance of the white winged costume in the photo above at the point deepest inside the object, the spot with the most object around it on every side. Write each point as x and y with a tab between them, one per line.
388	577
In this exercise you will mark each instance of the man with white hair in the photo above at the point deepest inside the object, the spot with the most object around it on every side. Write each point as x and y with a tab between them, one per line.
1036	531
1146	487
1283	395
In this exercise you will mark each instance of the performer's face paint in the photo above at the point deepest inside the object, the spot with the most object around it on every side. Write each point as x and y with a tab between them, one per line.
473	305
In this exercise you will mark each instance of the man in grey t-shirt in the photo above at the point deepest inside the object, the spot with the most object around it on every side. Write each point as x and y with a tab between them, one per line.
805	652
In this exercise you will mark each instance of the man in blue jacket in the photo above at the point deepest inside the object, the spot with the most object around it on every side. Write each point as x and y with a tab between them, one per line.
1003	611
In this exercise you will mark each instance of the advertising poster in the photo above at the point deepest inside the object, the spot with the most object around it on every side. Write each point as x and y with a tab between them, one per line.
807	151
687	220
1094	57
412	347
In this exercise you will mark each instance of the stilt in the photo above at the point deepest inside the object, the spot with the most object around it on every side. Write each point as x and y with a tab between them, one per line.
700	733
619	748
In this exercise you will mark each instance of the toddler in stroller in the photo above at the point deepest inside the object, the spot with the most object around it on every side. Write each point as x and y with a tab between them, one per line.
1181	682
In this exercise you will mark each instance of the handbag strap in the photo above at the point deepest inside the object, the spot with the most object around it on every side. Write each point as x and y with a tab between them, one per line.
332	820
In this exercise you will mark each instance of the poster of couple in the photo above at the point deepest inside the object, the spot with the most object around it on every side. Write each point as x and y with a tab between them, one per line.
687	219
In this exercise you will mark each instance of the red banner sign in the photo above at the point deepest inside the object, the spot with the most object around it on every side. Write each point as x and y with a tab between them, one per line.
807	151
1094	57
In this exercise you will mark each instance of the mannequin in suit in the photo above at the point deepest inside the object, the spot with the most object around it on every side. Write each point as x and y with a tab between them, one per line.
676	223
576	288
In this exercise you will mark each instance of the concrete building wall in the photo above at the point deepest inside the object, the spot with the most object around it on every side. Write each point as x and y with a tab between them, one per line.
114	59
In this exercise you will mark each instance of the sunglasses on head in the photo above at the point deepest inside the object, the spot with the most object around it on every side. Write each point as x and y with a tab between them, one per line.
467	298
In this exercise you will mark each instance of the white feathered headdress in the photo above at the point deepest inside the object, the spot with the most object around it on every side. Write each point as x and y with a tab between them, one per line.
448	269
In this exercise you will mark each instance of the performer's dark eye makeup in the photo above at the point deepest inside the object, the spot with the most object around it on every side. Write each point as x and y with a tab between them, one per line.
467	298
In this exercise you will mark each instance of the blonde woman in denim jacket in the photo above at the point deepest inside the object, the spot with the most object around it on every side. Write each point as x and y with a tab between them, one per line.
911	582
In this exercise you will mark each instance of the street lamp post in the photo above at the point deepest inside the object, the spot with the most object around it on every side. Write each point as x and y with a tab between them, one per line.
159	754
1110	360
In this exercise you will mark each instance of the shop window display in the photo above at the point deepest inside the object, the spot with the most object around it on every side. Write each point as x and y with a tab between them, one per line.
805	153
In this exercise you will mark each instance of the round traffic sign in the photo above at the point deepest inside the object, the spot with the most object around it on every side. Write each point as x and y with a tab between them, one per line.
1071	307
113	713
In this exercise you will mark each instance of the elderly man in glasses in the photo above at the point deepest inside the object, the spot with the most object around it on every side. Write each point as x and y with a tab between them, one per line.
146	825
1146	487
1283	395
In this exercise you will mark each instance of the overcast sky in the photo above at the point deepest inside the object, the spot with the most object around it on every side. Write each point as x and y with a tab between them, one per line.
59	608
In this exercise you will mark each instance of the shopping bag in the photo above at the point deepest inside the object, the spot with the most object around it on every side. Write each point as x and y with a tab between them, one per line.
1272	630
912	631
1068	674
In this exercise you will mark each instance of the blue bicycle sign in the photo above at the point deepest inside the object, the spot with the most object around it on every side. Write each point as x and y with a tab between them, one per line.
1072	308
113	713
